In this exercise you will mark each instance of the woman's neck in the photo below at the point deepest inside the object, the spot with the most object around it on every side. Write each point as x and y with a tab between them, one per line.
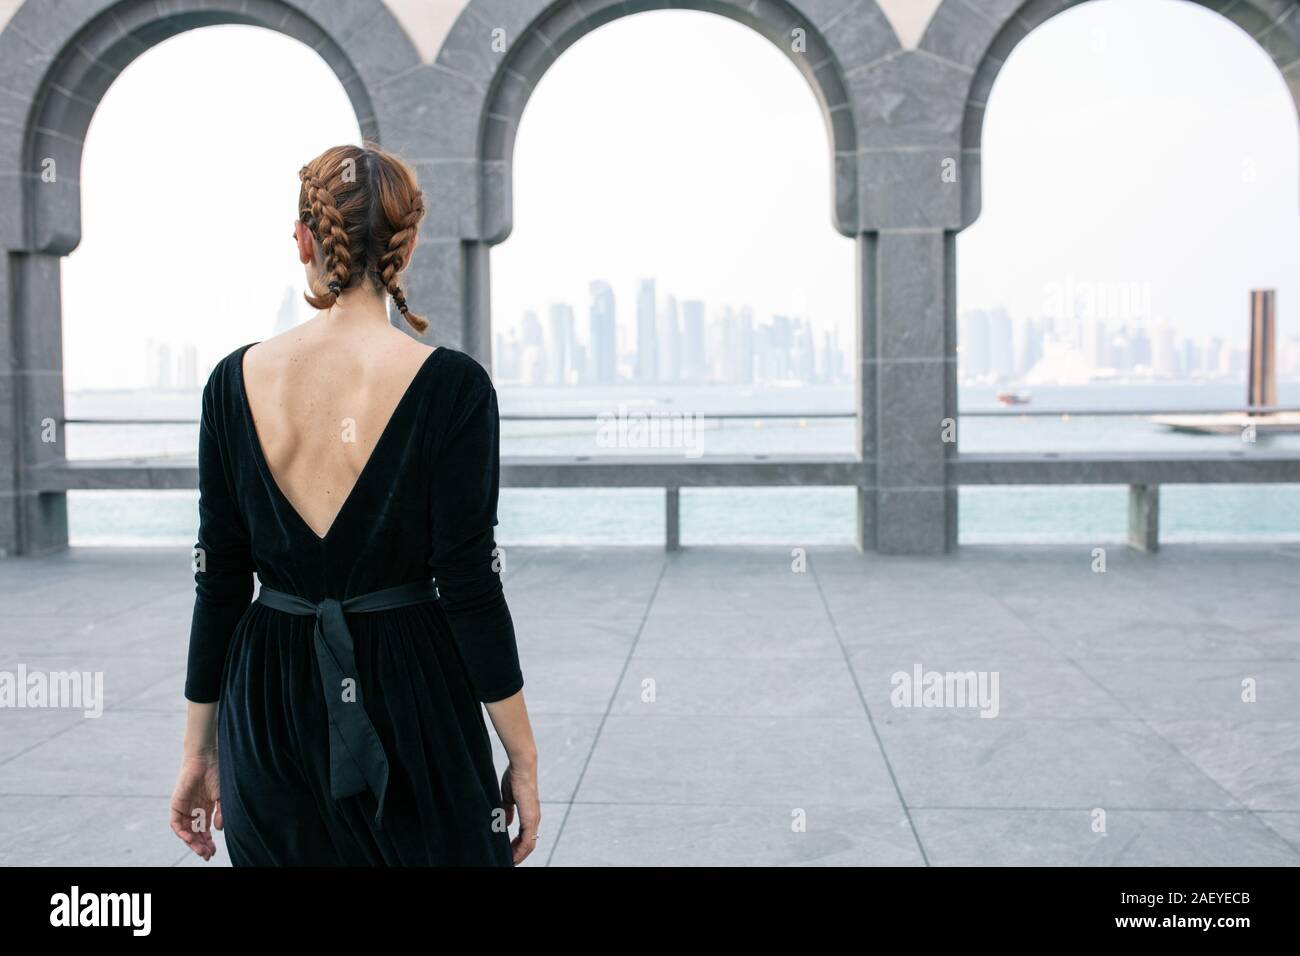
356	308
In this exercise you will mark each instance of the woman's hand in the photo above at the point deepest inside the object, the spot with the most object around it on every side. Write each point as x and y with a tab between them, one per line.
519	789
196	803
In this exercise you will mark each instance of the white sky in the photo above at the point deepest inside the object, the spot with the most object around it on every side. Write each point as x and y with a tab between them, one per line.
1145	141
1127	141
189	193
700	158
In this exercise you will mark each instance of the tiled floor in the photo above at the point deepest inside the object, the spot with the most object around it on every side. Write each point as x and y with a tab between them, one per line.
720	706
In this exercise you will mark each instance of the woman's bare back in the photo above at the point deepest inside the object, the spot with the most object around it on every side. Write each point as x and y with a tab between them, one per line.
320	400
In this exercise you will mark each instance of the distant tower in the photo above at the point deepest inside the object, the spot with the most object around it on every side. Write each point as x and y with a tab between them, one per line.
560	355
603	334
287	316
694	360
647	341
1262	389
670	342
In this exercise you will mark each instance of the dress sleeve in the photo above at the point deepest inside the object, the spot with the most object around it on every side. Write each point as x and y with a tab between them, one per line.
464	488
223	563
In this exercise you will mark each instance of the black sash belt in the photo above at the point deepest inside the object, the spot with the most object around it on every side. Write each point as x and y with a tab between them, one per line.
357	758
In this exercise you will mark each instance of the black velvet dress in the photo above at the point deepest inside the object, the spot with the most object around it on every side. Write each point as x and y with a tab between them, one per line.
349	729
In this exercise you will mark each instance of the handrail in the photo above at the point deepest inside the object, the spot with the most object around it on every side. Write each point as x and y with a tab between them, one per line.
1016	412
1019	412
1143	472
506	417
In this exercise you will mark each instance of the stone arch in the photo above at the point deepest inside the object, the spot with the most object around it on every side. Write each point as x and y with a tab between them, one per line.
69	65
56	62
979	38
497	50
561	26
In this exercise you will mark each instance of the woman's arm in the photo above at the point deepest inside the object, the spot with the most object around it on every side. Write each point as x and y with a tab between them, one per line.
464	564
519	782
223	586
196	800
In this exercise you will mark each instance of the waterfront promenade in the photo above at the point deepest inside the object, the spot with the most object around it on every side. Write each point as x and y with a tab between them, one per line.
718	706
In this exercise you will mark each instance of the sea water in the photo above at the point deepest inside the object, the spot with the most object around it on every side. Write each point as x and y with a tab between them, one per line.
795	516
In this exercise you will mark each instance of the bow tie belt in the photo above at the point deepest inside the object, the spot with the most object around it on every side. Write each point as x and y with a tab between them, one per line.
357	758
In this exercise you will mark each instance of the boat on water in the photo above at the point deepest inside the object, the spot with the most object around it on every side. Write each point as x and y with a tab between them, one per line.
1013	398
1233	423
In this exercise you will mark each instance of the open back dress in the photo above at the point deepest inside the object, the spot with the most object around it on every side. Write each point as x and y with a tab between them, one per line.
350	729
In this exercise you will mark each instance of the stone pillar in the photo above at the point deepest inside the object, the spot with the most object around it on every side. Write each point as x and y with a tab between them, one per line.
31	404
10	478
477	334
865	311
1144	517
912	380
672	519
911	201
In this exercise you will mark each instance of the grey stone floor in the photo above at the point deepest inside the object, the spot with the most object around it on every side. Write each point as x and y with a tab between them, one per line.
719	707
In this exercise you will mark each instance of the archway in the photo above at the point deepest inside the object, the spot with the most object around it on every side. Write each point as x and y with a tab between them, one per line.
57	62
675	259
981	48
494	56
1121	321
489	85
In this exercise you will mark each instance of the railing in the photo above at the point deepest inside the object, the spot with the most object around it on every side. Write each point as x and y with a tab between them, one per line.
1143	472
1009	412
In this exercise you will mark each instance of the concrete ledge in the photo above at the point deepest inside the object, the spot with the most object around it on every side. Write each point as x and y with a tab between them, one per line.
546	471
125	474
1129	468
143	474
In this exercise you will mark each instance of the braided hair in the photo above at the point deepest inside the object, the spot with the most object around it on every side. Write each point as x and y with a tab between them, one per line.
364	207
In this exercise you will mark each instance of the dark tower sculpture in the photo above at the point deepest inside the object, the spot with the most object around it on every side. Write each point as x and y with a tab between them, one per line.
1263	380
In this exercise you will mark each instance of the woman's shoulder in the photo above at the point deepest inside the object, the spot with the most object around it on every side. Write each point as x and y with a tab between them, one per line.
224	381
461	374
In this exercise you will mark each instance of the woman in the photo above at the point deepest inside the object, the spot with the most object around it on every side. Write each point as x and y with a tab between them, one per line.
348	465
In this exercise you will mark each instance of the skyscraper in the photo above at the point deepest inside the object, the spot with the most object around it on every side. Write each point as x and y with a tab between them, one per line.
745	347
1214	355
532	330
1002	360
560	354
1191	358
1031	345
1141	346
187	367
647	342
670	342
532	359
287	315
804	358
603	332
1165	351
506	361
695	363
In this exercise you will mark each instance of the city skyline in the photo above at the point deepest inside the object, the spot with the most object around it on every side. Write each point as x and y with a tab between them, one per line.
1081	348
668	341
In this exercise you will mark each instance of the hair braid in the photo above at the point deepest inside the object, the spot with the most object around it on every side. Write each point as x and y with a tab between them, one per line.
394	260
327	221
